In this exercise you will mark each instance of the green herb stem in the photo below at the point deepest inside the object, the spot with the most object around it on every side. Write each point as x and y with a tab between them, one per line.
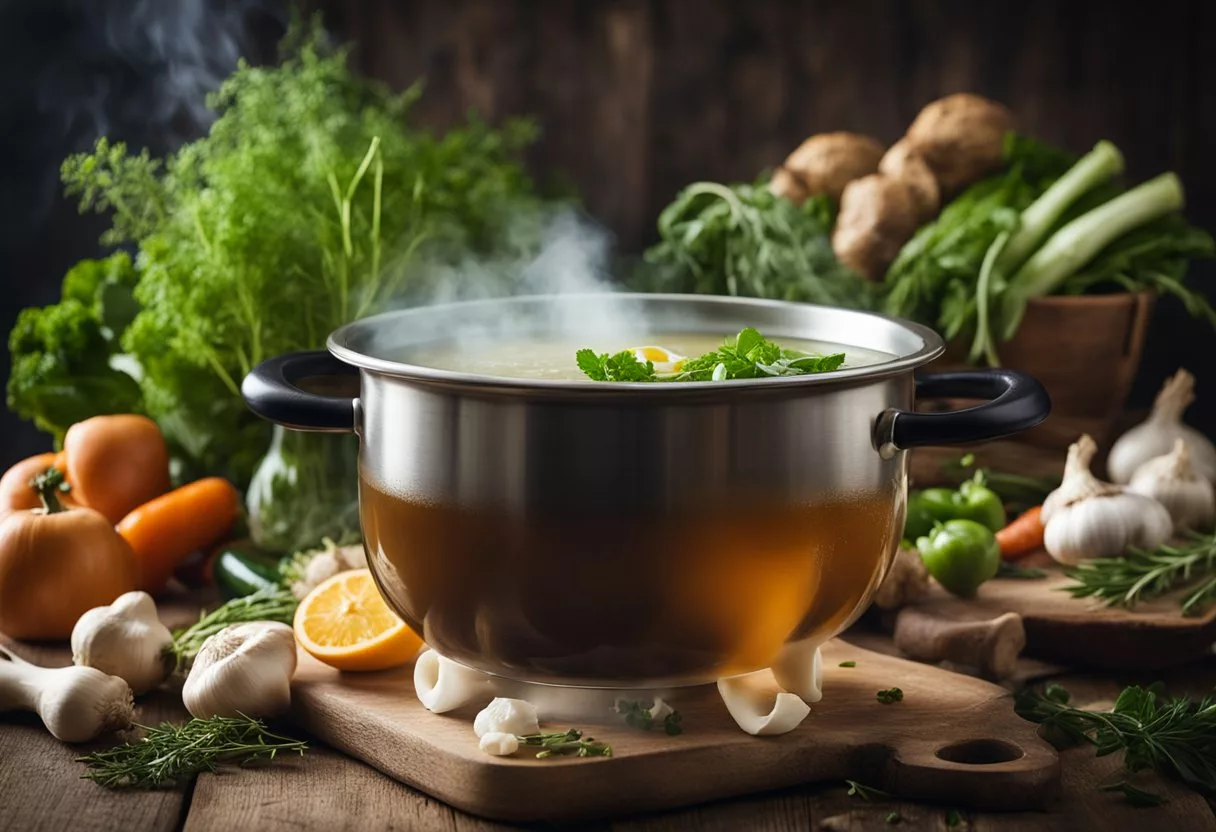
270	604
1142	574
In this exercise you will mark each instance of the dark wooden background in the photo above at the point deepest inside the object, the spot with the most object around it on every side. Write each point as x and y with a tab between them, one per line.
638	98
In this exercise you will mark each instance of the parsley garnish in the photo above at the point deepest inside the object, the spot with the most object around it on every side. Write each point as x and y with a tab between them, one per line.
637	715
890	695
747	355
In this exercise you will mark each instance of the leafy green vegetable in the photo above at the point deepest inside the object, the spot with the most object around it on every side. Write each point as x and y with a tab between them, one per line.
624	366
314	200
1176	738
747	355
744	240
66	362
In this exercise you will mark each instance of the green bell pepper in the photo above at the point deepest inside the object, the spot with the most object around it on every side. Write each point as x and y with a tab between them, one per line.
961	555
972	501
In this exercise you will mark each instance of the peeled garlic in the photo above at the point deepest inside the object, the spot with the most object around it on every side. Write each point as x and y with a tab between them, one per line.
1086	518
125	639
1172	481
77	704
443	685
755	711
243	669
499	744
508	716
799	669
1156	436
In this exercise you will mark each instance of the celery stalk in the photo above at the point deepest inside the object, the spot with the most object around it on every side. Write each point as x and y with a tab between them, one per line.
1074	245
1099	165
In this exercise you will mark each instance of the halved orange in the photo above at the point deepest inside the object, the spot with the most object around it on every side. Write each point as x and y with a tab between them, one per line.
346	624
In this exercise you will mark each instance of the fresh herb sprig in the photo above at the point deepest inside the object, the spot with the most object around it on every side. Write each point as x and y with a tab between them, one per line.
168	753
863	791
570	743
1175	737
638	715
890	696
272	604
1143	574
747	355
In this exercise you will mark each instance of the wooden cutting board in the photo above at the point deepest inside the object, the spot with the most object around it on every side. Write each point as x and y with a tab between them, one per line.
953	740
1080	632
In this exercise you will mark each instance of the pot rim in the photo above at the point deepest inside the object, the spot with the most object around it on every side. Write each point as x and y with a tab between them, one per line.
339	344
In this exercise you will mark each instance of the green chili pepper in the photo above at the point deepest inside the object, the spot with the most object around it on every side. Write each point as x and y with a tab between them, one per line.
961	555
240	568
972	501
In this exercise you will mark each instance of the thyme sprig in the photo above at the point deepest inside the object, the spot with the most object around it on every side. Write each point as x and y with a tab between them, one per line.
570	743
168	753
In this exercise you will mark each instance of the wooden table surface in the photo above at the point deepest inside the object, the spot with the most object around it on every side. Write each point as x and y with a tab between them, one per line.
41	789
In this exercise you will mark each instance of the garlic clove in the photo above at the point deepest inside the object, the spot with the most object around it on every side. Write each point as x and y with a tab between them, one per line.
76	704
243	669
1171	480
499	744
755	710
125	639
1157	435
659	711
443	685
511	716
799	669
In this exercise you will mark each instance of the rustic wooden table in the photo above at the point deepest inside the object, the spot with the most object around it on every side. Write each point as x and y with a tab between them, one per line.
41	789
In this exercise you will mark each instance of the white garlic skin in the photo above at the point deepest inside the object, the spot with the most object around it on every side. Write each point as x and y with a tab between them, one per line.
1158	434
244	669
77	704
125	639
499	744
1172	481
507	716
1105	526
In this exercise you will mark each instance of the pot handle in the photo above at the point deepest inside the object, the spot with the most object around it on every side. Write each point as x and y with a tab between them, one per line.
272	391
1018	402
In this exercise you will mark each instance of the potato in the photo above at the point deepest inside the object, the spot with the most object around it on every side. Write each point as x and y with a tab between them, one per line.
824	164
962	138
877	216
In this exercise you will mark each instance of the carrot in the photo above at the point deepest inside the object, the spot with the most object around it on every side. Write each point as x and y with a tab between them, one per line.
164	531
1023	536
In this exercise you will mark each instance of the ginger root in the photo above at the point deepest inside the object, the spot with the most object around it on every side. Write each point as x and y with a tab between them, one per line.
906	581
825	164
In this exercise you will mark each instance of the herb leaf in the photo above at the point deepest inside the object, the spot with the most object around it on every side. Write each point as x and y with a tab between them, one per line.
864	792
623	366
848	664
1136	797
1142	574
264	605
890	696
565	744
169	753
1176	738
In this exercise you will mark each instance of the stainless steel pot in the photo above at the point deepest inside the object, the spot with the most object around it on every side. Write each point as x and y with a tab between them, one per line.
575	532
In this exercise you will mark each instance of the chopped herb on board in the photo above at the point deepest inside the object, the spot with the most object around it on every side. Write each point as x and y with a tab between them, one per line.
890	696
848	664
566	744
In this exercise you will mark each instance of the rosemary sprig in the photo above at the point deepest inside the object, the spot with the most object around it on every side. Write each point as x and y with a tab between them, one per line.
272	604
1176	738
168	753
1142	574
566	744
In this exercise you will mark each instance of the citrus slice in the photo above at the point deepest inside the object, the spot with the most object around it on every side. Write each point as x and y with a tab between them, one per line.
346	624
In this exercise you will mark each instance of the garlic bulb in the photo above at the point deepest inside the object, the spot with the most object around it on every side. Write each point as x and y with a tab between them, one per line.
799	669
507	716
243	669
499	744
1157	435
77	704
1086	518
748	701
1171	480
125	639
443	685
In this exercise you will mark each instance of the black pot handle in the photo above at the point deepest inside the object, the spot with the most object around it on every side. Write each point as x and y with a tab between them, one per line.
1018	402
272	391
